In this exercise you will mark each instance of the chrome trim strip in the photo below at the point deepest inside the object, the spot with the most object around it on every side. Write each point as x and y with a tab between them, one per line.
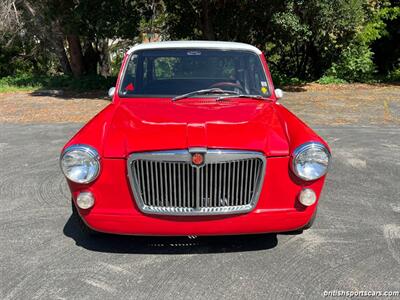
212	157
82	147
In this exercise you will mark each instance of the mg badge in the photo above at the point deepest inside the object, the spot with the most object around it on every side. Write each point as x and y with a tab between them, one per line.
197	159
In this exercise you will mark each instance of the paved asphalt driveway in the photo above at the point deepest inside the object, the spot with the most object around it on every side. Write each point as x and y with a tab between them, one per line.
354	244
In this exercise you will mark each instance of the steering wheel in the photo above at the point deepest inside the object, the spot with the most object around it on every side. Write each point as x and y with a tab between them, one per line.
229	84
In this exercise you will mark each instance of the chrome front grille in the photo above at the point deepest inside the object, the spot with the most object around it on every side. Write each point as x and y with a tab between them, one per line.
166	182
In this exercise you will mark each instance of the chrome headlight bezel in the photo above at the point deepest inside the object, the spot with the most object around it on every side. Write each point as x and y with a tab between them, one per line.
300	150
85	151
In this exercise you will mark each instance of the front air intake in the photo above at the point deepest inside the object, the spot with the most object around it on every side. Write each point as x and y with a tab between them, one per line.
167	182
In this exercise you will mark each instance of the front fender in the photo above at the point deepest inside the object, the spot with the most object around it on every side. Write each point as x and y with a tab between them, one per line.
297	131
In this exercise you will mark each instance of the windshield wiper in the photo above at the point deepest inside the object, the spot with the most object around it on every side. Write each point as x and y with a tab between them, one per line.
258	97
205	92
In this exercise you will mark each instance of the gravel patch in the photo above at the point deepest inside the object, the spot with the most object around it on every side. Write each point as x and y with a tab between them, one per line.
315	104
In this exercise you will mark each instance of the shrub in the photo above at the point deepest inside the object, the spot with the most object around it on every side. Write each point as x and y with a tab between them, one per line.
330	80
355	64
64	82
280	79
394	76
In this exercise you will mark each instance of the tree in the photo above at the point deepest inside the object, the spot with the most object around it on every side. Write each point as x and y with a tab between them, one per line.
26	28
77	32
301	37
92	23
385	43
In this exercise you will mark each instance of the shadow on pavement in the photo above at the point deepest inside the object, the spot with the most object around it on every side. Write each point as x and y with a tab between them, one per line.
67	95
168	245
295	88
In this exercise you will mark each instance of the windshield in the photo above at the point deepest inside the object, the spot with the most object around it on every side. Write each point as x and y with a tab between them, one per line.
172	72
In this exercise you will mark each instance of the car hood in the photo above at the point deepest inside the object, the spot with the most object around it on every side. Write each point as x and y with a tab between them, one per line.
160	124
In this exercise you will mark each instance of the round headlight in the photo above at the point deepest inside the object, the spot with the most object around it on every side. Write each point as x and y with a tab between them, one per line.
80	163
311	161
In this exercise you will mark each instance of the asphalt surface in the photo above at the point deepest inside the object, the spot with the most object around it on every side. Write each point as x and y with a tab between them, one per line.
354	244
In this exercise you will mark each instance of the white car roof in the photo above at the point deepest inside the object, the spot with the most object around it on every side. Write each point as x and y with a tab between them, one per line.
195	45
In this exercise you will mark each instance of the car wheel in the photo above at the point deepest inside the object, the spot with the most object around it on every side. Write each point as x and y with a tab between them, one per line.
82	225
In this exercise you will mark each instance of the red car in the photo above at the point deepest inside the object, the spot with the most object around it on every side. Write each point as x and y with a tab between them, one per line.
194	142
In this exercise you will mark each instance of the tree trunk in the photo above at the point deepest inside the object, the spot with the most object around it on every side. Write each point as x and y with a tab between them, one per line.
206	23
90	57
104	59
57	42
59	50
75	54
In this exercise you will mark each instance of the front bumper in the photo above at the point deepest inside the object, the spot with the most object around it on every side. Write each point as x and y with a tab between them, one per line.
259	221
116	211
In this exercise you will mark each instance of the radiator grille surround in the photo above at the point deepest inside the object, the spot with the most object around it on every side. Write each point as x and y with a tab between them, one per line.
167	182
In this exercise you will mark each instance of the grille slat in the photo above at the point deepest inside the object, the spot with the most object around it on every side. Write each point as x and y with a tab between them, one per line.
243	189
219	189
142	174
251	172
192	189
237	183
165	189
227	183
232	181
156	174
229	180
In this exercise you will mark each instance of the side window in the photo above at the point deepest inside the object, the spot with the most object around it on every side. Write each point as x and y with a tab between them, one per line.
130	75
131	68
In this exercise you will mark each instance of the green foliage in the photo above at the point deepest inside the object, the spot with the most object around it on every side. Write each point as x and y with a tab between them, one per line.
376	27
97	19
9	61
330	80
356	61
24	57
281	79
351	40
301	38
355	64
394	76
19	83
116	62
26	82
387	46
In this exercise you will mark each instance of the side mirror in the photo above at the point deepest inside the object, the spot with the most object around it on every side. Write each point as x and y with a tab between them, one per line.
111	92
278	93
